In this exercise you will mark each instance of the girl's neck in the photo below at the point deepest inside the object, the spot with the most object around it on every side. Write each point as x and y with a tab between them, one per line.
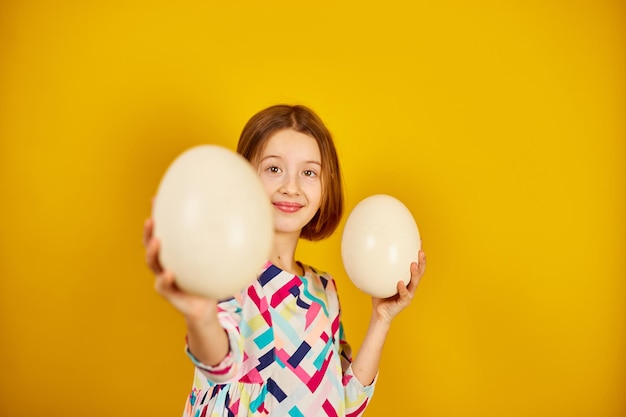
283	253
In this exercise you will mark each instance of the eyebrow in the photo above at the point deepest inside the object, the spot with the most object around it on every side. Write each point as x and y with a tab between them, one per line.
278	157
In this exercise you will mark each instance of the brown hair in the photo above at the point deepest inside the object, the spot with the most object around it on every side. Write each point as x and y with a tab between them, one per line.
300	118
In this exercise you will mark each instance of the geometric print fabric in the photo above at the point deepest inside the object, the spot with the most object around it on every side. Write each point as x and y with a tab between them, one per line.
288	354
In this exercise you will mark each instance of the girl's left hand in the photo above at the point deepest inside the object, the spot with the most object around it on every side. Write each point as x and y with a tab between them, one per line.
387	308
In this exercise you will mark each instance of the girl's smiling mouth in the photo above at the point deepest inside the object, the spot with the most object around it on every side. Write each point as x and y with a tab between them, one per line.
287	207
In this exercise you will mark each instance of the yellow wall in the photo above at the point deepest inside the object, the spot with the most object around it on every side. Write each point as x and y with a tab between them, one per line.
499	124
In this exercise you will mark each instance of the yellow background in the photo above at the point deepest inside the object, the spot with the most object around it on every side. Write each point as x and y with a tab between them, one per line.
499	124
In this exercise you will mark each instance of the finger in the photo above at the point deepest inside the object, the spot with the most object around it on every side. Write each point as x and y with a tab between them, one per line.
415	277
148	229
404	292
421	266
402	289
422	258
165	283
152	256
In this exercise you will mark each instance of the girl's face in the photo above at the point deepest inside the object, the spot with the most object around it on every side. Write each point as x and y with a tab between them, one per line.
290	166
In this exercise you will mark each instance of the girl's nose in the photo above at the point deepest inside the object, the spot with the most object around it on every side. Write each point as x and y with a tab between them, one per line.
290	186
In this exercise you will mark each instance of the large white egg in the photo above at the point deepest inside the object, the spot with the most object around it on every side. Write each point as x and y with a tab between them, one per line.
380	240
214	221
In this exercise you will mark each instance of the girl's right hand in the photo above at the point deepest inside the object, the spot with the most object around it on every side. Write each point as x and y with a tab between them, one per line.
193	307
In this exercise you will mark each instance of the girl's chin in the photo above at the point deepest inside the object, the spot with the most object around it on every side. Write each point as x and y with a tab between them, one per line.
288	229
289	223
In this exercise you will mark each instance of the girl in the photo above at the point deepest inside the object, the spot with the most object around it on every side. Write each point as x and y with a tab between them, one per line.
278	347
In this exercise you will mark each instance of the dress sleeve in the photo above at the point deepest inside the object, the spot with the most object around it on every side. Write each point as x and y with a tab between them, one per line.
357	396
229	316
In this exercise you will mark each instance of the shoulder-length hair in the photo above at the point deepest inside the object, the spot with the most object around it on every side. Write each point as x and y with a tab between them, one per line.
300	118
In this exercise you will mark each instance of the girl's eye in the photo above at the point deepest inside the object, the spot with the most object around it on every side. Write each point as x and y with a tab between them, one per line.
273	170
309	173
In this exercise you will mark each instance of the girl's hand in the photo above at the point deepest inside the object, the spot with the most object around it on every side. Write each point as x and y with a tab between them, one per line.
193	307
387	308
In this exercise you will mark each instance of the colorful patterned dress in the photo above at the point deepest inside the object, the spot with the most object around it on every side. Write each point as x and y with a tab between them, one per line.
288	355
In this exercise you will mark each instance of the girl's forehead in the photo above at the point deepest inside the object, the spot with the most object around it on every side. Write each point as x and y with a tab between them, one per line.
292	144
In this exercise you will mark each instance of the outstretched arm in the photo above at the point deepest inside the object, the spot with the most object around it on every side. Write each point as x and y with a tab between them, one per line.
384	310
